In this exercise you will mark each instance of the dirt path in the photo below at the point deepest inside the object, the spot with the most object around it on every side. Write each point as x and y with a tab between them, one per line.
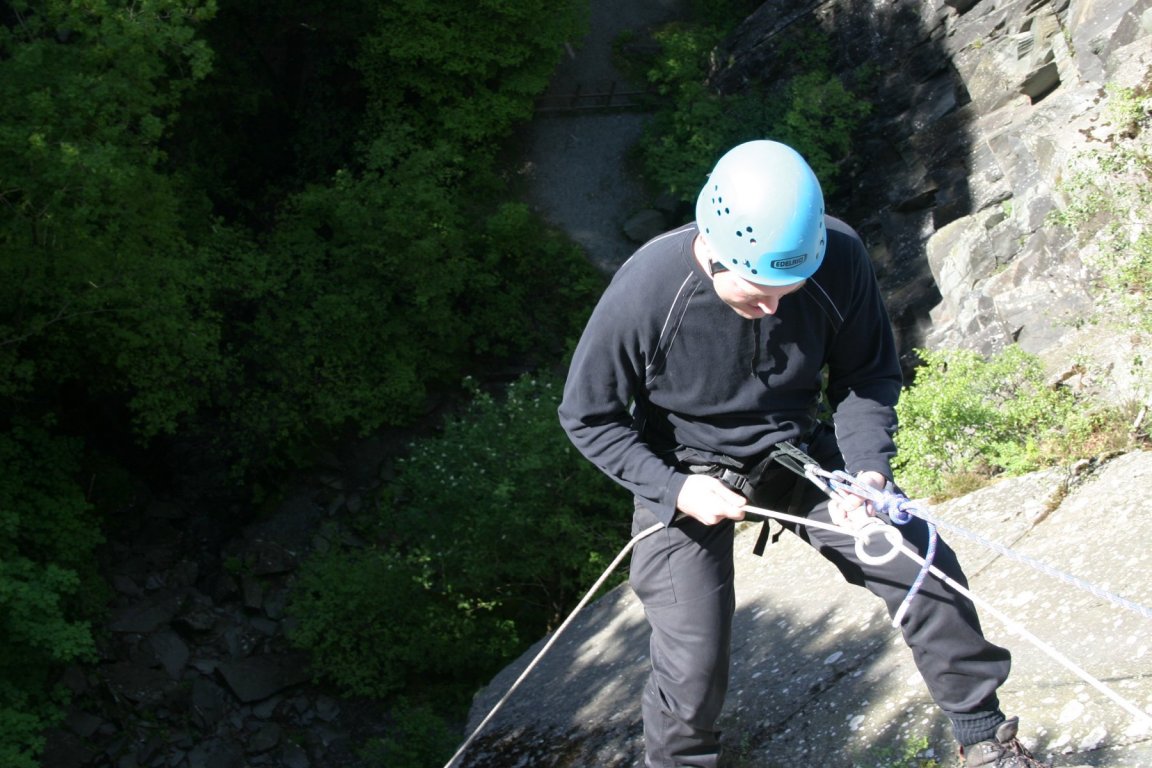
576	164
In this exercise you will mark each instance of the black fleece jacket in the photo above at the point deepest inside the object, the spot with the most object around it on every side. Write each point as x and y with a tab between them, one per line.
665	368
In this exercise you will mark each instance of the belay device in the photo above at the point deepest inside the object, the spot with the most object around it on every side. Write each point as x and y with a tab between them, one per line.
888	502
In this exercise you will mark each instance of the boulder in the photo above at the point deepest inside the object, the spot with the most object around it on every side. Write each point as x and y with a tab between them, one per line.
258	677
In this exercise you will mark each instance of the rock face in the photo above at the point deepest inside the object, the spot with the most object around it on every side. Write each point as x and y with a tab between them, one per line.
980	112
821	678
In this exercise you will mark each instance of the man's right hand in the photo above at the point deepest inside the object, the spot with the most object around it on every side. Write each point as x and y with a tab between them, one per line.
708	500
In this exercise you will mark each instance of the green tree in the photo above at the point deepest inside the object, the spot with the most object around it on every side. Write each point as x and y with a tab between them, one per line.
489	533
384	282
457	75
799	101
284	304
354	322
532	289
280	109
97	282
48	536
100	297
511	513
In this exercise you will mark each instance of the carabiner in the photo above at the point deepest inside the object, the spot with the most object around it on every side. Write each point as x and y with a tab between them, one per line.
865	535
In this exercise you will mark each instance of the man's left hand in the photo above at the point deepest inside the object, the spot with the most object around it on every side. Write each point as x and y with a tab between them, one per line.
851	511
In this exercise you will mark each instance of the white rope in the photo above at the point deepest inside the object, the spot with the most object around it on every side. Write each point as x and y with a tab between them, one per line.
1013	626
863	537
555	636
1038	565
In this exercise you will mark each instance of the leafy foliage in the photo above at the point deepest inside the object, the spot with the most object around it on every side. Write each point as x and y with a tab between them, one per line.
375	624
498	477
21	728
47	541
260	226
531	289
331	339
421	738
685	140
803	105
295	310
458	74
490	531
382	284
284	95
1108	196
96	280
967	416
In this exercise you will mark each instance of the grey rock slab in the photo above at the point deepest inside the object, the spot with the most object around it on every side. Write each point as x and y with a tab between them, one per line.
136	683
149	614
1097	28
257	677
264	739
209	702
171	652
816	661
215	753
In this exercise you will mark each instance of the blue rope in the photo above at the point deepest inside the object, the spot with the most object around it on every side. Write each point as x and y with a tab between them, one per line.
900	509
896	507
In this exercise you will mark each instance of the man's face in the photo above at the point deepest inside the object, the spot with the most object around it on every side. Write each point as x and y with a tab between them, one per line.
750	300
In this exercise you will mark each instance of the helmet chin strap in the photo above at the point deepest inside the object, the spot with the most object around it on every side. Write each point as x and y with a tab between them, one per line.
715	267
706	257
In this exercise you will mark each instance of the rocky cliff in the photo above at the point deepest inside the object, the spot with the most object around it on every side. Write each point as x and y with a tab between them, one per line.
983	116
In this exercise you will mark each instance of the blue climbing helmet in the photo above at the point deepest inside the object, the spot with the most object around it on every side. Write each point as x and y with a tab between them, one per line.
762	214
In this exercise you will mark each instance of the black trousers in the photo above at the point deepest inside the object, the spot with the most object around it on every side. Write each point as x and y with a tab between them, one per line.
683	575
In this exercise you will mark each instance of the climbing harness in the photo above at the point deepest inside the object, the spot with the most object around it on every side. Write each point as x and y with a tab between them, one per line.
894	505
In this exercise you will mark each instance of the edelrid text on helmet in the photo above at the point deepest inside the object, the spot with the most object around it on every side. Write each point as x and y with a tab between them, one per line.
762	214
